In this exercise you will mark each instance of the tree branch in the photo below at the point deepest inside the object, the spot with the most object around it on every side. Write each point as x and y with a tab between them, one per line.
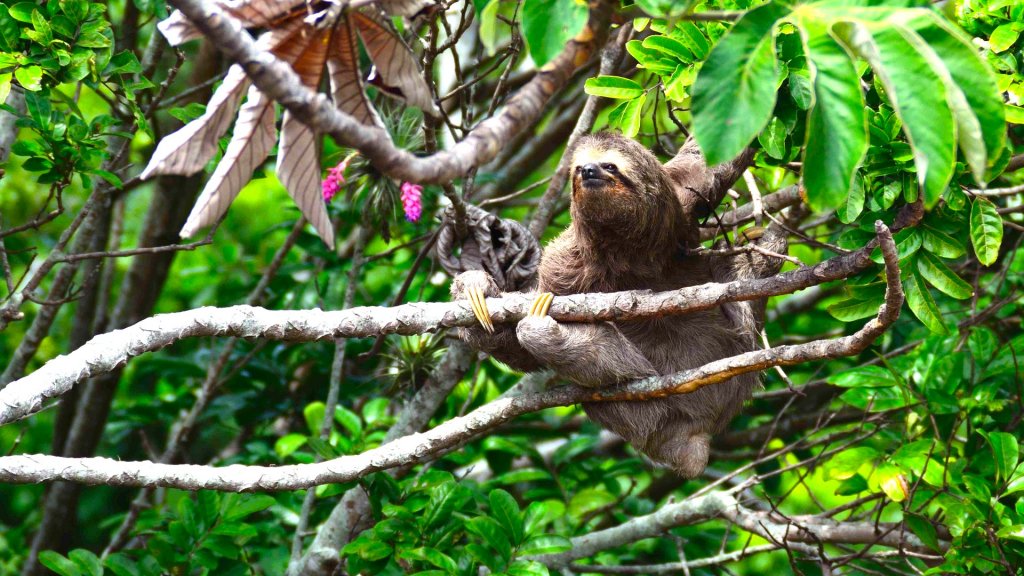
278	81
456	432
109	351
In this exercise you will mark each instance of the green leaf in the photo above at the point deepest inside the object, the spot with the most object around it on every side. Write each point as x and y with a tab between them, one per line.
939	275
489	26
908	242
853	309
9	31
44	34
77	10
121	565
629	121
864	377
735	90
853	485
22	11
545	544
845	464
974	93
676	85
691	36
773	139
650	59
314	415
669	46
850	210
431	556
548	25
349	420
940	243
29	77
588	500
918	95
248	505
1006	453
836	138
1014	114
506	511
492	533
124	62
444	500
540	514
1005	36
5	86
800	88
113	179
613	87
59	564
986	231
893	483
527	568
661	8
922	304
88	562
289	443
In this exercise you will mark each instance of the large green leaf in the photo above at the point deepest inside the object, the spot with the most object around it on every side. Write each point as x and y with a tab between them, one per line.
986	230
548	25
613	87
836	123
734	93
922	304
918	95
972	82
1005	452
939	275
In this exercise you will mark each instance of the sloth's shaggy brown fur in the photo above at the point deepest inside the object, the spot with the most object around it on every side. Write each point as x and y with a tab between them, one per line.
632	220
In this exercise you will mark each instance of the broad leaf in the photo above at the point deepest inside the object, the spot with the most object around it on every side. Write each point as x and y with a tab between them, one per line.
918	95
922	304
548	25
613	87
836	123
976	97
986	231
939	275
734	93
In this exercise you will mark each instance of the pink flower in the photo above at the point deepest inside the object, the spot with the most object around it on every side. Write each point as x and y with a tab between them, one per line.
335	179
412	201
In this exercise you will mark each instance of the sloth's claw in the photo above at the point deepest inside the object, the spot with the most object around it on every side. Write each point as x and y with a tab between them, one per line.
541	304
479	306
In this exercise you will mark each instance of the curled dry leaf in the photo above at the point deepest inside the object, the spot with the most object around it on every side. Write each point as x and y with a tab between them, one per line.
308	49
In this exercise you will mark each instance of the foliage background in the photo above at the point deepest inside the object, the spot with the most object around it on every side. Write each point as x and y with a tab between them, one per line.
923	429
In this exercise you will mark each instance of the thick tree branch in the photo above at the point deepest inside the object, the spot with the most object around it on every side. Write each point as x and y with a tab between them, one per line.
456	432
109	351
278	81
789	532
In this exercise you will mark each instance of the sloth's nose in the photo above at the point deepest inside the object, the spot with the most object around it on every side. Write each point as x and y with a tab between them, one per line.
589	171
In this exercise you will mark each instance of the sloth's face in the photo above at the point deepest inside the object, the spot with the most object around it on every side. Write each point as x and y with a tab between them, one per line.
600	171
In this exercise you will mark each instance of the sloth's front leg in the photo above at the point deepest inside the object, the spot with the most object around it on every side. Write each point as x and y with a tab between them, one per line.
592	355
498	341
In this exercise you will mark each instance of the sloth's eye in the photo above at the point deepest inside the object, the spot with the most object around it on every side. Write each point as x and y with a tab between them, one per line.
610	168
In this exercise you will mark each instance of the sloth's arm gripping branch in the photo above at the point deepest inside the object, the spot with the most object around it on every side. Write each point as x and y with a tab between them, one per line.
591	355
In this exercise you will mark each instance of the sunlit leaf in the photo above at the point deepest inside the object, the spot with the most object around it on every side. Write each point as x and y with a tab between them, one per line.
922	304
734	93
986	231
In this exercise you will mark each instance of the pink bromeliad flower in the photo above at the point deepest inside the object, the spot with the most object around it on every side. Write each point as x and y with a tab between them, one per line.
335	178
412	201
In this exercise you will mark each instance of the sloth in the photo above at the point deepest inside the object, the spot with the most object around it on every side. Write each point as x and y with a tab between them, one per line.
634	224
